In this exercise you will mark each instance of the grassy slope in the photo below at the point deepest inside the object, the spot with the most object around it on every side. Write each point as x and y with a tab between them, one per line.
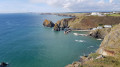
86	22
114	15
111	43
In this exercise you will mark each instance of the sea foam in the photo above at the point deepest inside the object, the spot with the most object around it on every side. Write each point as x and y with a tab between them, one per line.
80	41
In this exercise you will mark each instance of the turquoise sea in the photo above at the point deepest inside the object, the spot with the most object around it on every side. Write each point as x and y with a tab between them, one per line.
25	42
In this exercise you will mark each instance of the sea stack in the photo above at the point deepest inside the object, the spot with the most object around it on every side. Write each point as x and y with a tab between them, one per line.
48	23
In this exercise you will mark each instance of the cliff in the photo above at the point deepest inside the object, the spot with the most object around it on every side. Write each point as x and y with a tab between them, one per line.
100	33
48	23
111	42
108	54
88	22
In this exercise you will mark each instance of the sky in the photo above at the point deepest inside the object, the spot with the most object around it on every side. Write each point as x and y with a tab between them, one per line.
18	6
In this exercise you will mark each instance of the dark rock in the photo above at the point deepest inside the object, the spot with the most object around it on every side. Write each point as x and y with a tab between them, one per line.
3	64
56	27
48	23
100	33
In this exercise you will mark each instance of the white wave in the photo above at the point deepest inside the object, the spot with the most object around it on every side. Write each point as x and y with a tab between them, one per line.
99	39
76	34
91	46
80	41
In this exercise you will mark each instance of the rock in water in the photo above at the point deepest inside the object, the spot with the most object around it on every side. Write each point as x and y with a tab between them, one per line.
48	23
56	27
3	64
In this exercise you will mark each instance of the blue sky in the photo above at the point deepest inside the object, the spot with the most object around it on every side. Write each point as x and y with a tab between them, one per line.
15	6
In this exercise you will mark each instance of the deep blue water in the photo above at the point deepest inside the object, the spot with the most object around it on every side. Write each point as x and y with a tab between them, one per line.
25	42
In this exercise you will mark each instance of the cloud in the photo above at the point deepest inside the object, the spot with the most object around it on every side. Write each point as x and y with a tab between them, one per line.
111	1
83	5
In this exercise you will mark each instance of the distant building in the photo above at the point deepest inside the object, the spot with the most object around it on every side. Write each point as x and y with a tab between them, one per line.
107	26
96	14
115	12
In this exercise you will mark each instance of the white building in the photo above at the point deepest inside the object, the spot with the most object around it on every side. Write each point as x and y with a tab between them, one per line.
107	26
116	12
96	14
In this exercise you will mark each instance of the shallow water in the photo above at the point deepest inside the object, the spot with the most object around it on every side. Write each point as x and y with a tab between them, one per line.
24	42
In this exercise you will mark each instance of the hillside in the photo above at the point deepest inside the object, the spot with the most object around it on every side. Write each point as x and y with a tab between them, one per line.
87	22
108	55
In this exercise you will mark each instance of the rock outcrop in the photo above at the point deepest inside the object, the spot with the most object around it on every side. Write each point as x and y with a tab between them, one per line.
111	43
56	27
100	33
64	23
108	54
48	23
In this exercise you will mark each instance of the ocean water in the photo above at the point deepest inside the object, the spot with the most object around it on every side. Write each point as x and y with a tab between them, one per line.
25	42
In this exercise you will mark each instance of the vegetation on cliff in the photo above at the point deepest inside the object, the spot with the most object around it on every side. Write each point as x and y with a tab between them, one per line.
111	42
108	55
88	22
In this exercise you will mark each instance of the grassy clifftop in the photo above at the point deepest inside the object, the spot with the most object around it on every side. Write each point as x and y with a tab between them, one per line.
87	22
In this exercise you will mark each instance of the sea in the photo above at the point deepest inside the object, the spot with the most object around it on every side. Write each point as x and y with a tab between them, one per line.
25	42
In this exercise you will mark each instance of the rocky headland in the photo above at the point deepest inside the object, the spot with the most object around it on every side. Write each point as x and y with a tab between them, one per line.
86	22
108	54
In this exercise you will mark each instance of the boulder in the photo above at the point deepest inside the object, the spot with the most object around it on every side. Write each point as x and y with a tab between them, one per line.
48	23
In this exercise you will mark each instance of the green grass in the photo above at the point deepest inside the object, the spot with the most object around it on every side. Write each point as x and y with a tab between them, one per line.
114	15
94	55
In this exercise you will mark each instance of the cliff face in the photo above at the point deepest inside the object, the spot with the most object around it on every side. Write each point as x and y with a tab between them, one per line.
65	23
48	23
111	42
100	33
87	22
108	55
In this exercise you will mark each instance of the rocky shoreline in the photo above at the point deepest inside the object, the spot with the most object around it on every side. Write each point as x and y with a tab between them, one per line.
108	53
84	22
109	49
